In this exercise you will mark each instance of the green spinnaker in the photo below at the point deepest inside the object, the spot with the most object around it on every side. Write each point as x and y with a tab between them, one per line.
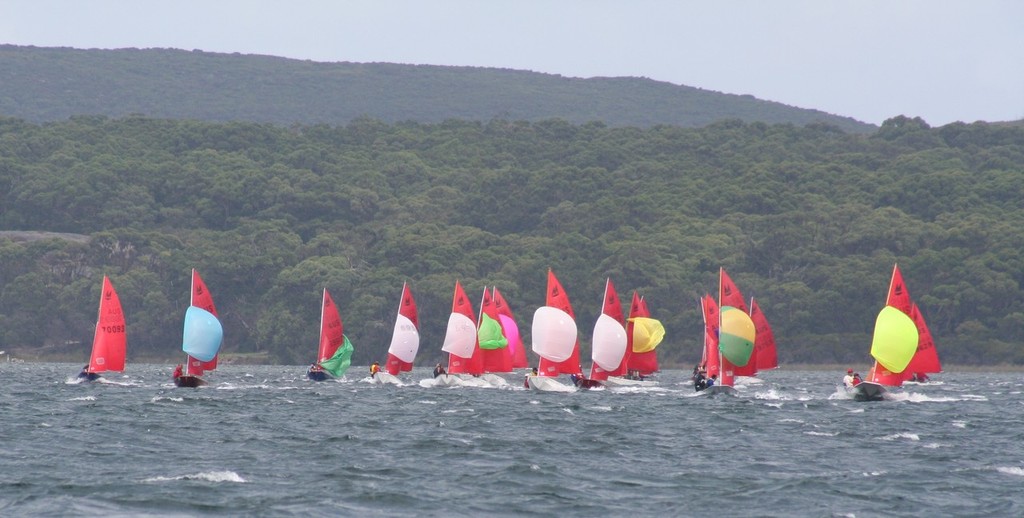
490	334
342	359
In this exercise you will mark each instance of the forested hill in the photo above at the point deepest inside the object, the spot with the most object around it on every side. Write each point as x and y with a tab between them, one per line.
810	220
49	84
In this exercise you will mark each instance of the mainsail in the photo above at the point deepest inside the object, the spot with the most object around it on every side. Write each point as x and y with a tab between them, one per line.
109	341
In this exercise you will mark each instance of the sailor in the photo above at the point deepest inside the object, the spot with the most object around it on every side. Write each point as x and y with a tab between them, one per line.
700	382
848	379
711	381
177	371
374	369
856	379
576	378
526	379
438	370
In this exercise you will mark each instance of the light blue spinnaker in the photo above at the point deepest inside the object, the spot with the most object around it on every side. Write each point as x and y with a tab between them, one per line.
202	335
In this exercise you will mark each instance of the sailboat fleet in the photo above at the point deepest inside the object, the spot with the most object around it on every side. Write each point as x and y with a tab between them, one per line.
737	342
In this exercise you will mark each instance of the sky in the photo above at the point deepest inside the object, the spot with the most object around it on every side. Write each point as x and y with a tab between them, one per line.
941	60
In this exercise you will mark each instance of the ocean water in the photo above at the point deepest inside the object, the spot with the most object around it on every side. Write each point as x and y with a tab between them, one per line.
263	441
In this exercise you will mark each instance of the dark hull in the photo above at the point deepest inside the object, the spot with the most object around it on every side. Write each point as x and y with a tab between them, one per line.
317	375
719	389
88	376
868	391
189	381
588	384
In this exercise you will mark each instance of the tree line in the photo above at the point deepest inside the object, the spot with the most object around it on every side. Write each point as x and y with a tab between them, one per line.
809	219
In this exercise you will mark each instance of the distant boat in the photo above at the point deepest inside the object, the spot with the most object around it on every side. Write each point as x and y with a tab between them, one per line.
334	355
926	357
511	331
201	337
405	338
109	340
555	339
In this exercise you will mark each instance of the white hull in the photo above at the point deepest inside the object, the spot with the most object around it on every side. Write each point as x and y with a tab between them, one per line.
383	378
547	384
616	381
444	380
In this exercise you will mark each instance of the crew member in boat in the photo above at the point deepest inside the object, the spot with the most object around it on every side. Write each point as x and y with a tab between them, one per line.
526	379
85	372
848	379
700	381
374	369
439	370
711	381
856	379
315	368
177	371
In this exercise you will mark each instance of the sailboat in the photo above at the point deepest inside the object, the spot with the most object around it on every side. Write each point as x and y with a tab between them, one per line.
645	334
511	331
109	341
492	343
555	340
334	355
201	337
405	339
460	341
901	345
729	342
608	345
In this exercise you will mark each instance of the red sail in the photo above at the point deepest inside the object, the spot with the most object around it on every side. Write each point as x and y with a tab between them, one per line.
332	333
201	298
879	375
764	340
627	360
899	295
559	299
711	324
515	343
926	359
729	295
645	362
406	308
457	364
109	342
494	360
613	308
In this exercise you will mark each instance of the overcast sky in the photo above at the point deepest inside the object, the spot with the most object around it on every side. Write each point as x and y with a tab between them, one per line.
942	60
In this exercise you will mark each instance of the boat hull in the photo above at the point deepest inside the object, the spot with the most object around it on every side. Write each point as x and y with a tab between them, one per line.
867	391
547	384
189	381
718	389
383	378
318	375
587	384
88	376
616	381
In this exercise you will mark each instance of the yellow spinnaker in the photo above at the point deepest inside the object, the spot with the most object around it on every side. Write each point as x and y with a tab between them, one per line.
895	340
647	334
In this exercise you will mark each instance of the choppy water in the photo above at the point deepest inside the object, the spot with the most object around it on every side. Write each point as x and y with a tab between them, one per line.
261	440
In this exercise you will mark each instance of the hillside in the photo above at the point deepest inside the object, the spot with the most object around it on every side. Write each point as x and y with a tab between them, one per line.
52	84
808	219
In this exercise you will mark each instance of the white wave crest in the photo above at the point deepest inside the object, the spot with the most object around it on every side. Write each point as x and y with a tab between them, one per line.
83	398
822	434
959	424
902	435
208	476
1011	470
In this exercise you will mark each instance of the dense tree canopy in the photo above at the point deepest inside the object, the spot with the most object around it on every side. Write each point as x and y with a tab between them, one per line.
809	219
